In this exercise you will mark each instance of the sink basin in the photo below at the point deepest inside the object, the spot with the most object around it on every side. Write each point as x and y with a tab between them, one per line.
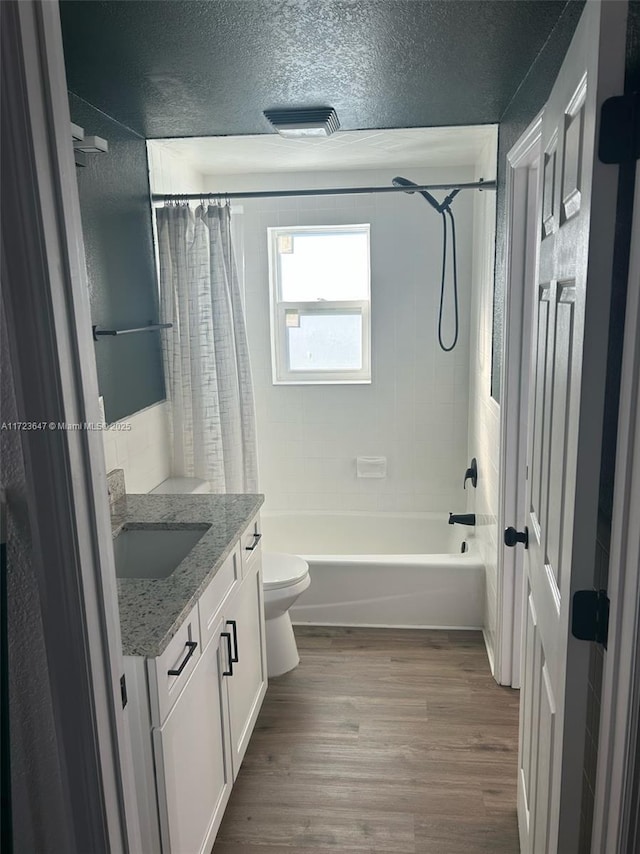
153	552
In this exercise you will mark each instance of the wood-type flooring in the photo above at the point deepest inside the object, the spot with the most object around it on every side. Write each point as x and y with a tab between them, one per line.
381	741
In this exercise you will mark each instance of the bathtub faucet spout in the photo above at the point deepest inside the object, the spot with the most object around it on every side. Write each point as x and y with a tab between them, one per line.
462	518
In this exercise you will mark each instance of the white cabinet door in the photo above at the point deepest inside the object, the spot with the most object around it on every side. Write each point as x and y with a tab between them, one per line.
247	686
191	753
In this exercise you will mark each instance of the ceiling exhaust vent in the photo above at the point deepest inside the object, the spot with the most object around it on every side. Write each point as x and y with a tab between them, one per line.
315	121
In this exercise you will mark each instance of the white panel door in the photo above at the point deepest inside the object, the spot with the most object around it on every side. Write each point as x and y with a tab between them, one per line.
578	197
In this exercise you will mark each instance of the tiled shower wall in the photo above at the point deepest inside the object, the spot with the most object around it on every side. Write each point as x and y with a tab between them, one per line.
484	412
415	412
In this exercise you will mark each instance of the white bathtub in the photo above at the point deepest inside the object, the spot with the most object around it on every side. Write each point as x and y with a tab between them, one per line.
381	569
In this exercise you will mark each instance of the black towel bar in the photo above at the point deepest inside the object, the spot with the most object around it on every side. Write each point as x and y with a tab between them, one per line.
150	327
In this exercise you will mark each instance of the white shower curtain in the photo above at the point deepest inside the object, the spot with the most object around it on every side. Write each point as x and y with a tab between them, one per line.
206	358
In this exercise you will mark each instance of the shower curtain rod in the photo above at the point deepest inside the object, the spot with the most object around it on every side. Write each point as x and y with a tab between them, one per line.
334	191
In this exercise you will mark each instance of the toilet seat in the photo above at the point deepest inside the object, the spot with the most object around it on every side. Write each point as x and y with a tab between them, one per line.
282	570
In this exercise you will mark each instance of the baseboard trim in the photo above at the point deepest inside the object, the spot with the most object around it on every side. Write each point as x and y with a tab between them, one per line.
490	655
390	626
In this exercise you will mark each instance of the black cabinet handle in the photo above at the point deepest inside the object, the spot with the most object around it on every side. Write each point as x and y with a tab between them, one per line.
513	537
191	646
234	626
228	672
256	540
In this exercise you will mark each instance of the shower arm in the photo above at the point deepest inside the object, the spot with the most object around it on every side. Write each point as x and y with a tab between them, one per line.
446	204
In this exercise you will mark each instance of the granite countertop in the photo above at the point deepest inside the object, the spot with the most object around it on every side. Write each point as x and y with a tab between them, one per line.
152	610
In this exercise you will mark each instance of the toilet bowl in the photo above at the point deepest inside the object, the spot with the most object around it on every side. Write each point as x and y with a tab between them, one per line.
284	578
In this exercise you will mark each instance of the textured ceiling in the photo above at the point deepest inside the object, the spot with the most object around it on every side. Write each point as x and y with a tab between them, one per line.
210	67
395	149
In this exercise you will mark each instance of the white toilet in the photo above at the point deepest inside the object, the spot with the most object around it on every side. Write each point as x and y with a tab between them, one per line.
284	578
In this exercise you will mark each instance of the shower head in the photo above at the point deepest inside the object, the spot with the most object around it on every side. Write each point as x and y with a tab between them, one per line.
403	182
398	181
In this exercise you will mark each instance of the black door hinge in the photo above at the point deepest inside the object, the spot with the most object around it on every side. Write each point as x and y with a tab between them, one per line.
620	129
123	690
590	616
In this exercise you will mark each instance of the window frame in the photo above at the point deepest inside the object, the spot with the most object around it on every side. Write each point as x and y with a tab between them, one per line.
282	374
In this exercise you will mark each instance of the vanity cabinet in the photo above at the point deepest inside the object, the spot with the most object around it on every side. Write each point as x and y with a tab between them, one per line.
193	769
246	688
169	672
194	713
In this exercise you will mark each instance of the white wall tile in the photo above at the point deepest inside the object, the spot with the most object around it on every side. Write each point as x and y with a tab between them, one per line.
139	444
415	412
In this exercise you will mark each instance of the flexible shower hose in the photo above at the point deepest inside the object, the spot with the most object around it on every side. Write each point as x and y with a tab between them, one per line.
444	213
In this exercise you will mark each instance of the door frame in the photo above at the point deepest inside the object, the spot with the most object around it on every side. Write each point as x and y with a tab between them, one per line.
521	258
615	823
46	299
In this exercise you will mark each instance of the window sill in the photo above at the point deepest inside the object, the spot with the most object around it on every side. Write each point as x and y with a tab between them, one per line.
322	382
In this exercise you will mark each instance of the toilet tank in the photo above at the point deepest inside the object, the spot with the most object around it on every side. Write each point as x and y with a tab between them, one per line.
181	486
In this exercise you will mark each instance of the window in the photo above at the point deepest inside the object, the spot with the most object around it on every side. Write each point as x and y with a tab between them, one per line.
320	286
